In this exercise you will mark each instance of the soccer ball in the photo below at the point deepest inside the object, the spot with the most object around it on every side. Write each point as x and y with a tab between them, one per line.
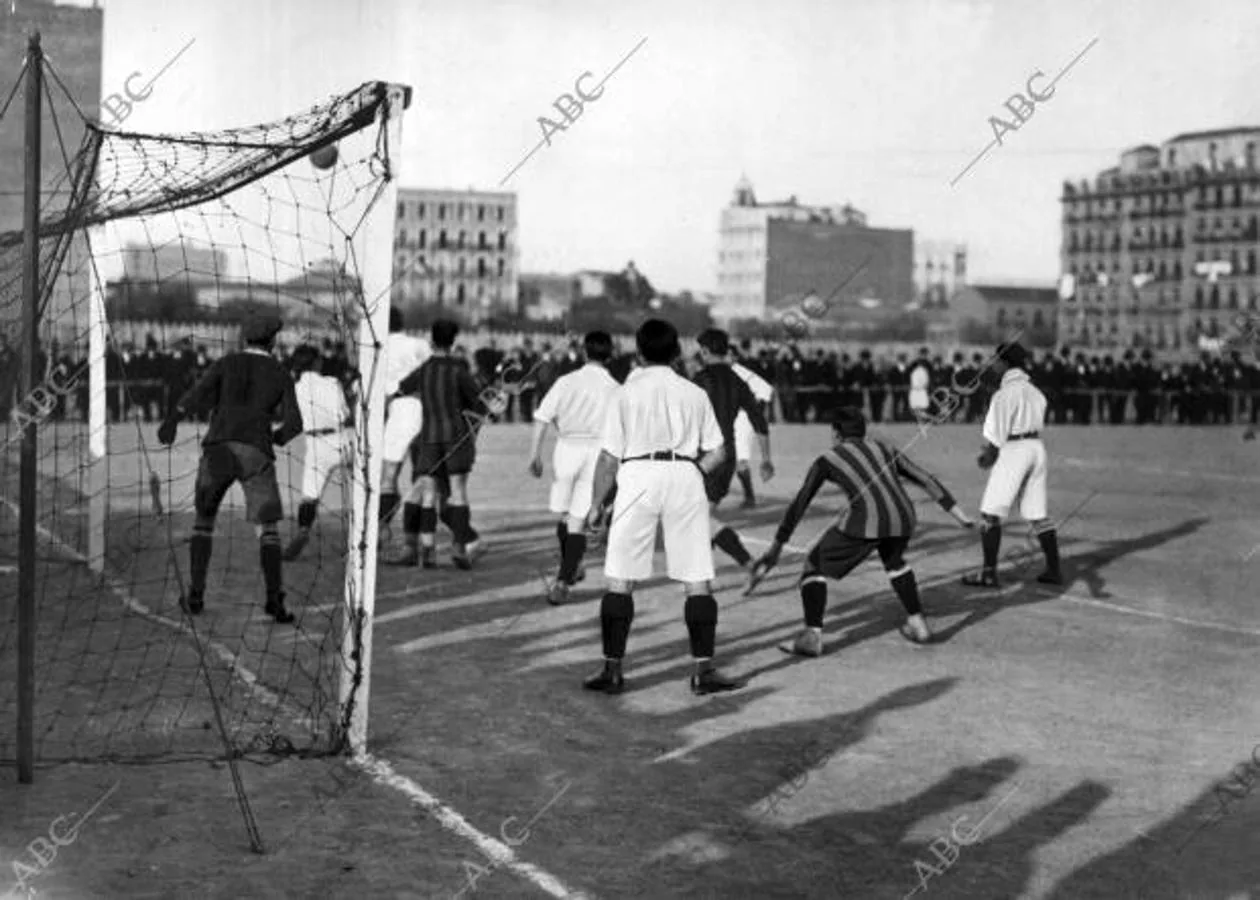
325	157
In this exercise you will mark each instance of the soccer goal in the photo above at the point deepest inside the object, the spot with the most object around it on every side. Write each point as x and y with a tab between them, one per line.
174	237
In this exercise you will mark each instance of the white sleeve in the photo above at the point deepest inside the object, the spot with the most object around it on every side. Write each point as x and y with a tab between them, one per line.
761	388
547	409
996	419
613	440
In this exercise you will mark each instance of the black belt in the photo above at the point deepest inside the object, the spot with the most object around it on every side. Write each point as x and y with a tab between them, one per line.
1024	437
661	456
322	432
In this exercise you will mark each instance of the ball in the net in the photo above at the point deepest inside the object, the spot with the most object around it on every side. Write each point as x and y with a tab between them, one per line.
814	306
325	157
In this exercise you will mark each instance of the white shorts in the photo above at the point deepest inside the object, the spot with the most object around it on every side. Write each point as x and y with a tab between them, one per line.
1020	471
743	438
403	418
324	454
668	495
574	465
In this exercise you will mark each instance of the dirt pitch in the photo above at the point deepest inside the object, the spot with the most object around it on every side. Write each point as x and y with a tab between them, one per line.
1075	736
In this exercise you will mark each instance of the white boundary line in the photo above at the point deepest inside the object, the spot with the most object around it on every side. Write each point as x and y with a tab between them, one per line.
380	770
1077	463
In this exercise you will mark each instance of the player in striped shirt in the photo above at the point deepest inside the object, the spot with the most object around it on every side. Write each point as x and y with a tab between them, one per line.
729	395
879	517
325	419
246	392
576	407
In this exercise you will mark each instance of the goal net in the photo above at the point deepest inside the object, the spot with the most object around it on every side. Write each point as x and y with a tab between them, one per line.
153	248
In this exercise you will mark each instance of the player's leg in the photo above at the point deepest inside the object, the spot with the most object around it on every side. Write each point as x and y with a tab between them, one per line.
322	455
716	486
1006	480
743	458
459	465
402	425
631	543
215	474
264	509
419	513
1033	508
574	466
892	553
835	556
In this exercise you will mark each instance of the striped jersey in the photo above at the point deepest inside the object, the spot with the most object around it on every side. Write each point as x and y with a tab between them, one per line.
729	394
868	472
577	404
246	392
448	396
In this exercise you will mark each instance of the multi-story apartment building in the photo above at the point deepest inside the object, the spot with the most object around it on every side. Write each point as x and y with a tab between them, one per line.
456	250
743	247
940	269
1161	250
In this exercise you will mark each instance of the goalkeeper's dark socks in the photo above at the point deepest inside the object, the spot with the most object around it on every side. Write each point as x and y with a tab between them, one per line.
389	503
1049	540
200	548
412	516
306	514
426	526
270	559
460	524
574	545
746	482
616	613
700	612
907	589
814	601
562	532
991	543
444	516
729	543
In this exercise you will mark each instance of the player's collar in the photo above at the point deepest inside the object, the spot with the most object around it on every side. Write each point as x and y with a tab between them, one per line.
1012	375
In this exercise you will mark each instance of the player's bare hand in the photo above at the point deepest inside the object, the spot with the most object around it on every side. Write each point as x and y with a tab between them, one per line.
595	519
166	433
767	470
962	518
1249	434
536	467
988	456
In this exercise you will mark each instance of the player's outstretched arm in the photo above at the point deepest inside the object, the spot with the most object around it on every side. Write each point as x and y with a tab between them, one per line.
913	472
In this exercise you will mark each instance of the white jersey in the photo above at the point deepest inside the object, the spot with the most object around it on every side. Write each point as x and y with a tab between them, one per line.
658	410
1017	408
577	404
321	401
760	388
404	353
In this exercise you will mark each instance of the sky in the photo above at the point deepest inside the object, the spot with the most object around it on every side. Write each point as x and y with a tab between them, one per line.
879	103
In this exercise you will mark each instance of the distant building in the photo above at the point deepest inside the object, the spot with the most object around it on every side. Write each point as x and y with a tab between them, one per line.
1160	251
547	297
456	250
940	269
158	263
1005	309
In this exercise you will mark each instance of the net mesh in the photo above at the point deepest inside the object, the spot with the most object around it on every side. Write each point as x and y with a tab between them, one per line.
181	235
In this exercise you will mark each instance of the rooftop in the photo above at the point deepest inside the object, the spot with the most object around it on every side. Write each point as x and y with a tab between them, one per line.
1216	132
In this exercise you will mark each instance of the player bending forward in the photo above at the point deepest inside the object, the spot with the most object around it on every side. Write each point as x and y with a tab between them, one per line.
660	440
576	406
245	392
325	420
1017	457
879	518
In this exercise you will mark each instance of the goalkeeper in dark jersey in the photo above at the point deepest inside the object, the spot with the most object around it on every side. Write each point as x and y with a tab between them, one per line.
879	518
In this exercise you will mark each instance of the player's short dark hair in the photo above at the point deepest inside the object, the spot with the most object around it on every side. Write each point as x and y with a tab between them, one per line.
443	333
657	342
598	346
715	340
1013	354
305	358
849	421
396	320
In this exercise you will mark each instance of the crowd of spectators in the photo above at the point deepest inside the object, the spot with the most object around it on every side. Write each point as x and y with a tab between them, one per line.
1082	389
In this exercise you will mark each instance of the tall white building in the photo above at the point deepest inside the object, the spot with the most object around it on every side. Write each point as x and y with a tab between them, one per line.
940	269
742	243
456	250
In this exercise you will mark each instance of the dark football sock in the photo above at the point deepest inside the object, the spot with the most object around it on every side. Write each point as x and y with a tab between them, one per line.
306	514
562	532
389	503
199	550
814	602
616	612
571	557
411	516
700	613
991	543
460	526
746	482
1049	541
729	543
908	592
269	557
426	525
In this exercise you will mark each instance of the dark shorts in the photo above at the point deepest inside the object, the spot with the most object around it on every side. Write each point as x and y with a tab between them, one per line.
441	480
838	554
717	484
223	465
439	459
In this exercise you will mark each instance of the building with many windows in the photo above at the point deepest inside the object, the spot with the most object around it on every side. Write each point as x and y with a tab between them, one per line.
1161	250
456	250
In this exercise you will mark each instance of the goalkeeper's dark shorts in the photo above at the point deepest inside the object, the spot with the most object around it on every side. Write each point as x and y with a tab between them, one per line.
838	554
438	459
717	484
223	465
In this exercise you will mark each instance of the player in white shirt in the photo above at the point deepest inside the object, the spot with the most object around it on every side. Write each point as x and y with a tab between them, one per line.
764	392
576	406
920	381
1014	452
660	440
404	353
325	420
